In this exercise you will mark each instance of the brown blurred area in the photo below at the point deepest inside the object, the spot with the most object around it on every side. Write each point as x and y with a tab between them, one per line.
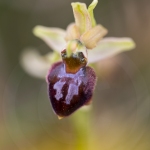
121	102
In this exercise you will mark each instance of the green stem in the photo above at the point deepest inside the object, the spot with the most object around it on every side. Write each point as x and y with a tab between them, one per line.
81	124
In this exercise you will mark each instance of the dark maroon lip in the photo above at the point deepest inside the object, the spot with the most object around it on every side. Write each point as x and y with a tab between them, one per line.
67	91
70	84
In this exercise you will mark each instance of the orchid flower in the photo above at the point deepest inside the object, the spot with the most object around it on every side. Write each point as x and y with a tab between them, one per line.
83	42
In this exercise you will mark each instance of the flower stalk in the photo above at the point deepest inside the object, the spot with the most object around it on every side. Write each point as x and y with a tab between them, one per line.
81	122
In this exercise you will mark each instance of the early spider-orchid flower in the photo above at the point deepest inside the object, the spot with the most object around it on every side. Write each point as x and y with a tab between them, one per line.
70	81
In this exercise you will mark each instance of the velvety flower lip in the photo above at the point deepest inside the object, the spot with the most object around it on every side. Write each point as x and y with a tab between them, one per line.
85	29
69	91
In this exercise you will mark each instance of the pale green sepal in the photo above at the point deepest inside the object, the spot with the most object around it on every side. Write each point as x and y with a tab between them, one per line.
109	47
82	17
90	10
37	65
54	37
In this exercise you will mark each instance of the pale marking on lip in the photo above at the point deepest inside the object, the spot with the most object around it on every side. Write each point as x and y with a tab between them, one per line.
73	90
58	87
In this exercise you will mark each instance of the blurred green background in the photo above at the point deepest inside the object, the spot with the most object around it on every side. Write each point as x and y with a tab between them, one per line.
120	118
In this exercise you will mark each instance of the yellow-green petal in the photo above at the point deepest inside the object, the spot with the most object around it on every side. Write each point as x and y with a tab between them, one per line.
90	10
93	36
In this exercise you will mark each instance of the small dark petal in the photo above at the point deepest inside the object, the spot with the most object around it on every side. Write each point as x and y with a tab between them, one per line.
70	91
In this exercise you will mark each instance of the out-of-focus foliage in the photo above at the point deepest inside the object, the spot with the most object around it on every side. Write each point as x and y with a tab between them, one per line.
121	103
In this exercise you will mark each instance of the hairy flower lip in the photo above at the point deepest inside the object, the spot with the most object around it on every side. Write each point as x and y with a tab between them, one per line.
68	92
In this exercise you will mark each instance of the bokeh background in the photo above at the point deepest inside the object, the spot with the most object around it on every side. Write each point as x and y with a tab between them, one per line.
120	118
